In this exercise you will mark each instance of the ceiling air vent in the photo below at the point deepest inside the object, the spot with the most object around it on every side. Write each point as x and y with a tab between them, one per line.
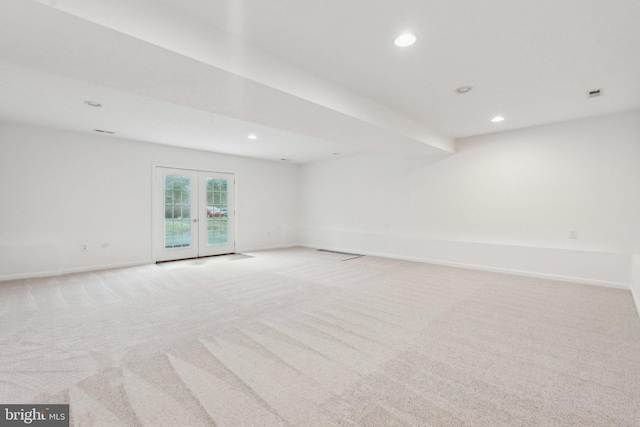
104	131
594	93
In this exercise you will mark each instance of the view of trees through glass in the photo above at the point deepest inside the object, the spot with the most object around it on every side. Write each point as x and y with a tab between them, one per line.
217	212
177	212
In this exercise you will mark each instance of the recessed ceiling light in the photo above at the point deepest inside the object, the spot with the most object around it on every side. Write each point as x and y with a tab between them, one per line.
252	136
497	119
93	104
464	89
404	40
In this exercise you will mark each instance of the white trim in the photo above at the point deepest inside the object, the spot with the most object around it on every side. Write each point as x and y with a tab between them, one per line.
154	167
190	168
579	280
153	211
230	247
235	211
269	248
579	266
625	286
73	270
436	239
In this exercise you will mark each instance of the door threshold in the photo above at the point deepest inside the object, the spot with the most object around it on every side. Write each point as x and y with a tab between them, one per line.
197	257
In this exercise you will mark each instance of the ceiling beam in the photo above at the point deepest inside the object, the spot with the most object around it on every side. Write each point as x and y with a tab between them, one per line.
152	50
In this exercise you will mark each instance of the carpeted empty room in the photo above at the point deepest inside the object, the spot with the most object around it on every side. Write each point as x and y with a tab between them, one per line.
306	338
366	213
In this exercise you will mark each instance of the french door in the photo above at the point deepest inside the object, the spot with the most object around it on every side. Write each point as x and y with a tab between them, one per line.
194	214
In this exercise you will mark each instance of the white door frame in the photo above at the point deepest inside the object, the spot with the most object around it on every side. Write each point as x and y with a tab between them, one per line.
157	201
204	248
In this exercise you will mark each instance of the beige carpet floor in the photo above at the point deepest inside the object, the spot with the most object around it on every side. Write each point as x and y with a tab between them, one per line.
288	337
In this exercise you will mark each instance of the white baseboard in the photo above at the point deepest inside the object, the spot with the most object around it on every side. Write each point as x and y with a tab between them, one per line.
267	248
51	273
633	284
635	281
72	270
585	267
579	280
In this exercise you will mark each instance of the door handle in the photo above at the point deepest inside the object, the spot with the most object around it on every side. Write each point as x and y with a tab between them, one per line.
195	219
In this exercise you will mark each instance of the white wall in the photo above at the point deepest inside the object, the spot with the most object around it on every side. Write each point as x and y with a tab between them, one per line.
504	201
62	189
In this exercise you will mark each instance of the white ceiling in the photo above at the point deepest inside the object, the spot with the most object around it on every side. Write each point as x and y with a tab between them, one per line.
530	61
312	78
34	97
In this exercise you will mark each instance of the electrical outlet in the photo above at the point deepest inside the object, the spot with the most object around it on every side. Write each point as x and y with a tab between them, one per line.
83	247
573	234
105	245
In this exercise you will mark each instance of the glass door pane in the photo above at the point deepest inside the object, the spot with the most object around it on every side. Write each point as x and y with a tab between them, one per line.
177	211
217	197
175	225
217	212
194	214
